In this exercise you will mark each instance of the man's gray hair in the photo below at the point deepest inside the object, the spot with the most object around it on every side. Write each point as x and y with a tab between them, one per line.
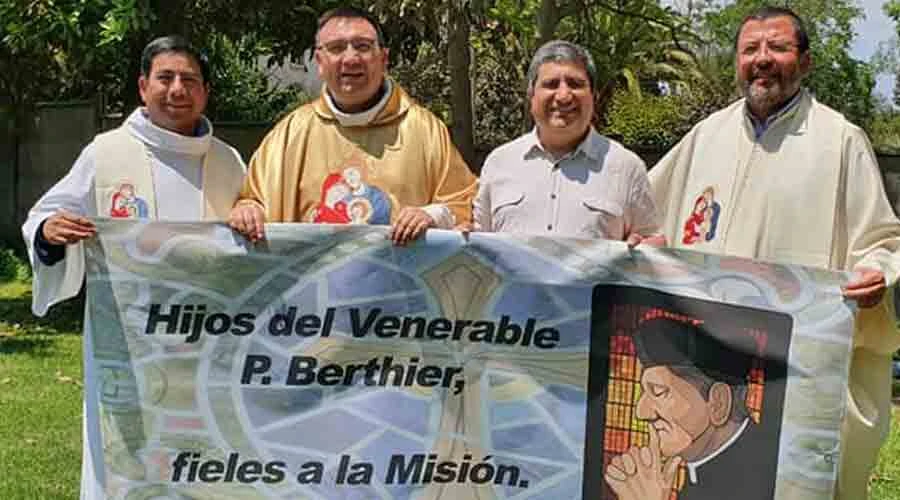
561	51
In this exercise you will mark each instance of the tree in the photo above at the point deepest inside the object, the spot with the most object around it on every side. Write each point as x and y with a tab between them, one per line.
70	49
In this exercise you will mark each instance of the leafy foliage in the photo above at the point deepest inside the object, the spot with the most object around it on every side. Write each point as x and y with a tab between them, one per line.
646	122
884	132
242	91
76	49
12	267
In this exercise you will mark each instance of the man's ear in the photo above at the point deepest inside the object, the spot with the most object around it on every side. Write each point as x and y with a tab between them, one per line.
142	87
720	401
805	63
317	55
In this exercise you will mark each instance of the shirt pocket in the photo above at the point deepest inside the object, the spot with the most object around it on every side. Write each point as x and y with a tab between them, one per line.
507	213
603	218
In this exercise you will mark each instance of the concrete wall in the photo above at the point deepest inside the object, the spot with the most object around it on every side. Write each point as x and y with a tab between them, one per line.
53	136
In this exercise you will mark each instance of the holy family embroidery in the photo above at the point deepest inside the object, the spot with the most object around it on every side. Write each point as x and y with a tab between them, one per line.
701	223
125	203
348	199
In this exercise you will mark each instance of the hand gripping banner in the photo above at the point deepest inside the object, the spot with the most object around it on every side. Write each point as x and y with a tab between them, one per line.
325	363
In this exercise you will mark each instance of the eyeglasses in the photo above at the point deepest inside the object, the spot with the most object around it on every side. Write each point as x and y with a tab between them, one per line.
362	46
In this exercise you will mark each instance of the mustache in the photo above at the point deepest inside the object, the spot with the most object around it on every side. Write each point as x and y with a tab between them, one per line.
769	75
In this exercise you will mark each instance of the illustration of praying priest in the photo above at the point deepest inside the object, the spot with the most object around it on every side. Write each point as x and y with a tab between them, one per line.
694	427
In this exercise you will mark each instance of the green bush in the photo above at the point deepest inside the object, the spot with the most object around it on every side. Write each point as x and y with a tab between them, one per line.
884	132
646	122
12	267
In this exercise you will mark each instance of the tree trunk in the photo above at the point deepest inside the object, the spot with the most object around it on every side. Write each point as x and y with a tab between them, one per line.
547	20
458	62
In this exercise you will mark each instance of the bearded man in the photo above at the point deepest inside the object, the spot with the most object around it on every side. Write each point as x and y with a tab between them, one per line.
796	183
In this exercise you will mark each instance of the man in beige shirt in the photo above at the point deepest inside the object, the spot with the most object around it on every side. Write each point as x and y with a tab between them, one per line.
563	178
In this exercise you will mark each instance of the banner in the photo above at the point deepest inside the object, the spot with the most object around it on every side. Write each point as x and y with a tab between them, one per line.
325	363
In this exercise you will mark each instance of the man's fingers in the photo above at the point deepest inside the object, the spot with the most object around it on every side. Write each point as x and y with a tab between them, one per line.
615	473
418	230
866	297
859	293
868	288
657	240
866	277
247	223
69	237
628	462
238	222
59	230
248	220
655	451
397	230
633	240
646	457
670	471
76	219
405	227
259	223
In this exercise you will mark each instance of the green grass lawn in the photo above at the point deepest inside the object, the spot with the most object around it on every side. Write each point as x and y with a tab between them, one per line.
40	398
885	483
40	404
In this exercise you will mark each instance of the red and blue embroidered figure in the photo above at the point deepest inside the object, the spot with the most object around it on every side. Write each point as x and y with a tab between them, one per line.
704	218
126	204
333	205
348	199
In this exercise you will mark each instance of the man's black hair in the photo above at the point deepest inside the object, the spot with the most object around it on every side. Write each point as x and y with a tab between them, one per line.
769	12
352	13
177	44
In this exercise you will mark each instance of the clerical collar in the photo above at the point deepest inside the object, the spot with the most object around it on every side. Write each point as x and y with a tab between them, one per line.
149	133
363	117
760	126
693	466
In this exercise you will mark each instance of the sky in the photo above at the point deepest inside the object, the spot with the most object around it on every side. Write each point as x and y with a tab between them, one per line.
875	28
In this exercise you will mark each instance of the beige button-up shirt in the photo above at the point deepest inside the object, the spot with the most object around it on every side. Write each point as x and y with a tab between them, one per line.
600	190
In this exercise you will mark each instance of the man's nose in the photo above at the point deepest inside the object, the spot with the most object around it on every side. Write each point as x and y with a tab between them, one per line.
644	409
177	86
763	56
563	93
351	55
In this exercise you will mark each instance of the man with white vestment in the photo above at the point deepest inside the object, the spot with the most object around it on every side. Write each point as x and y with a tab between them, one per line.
778	176
162	163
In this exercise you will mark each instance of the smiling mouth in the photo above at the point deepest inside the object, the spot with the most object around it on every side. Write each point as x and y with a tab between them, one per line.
765	78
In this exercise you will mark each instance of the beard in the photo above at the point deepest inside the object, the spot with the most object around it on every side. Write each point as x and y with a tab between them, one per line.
767	98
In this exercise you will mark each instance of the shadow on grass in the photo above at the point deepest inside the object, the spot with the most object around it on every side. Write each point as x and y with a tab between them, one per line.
14	345
62	319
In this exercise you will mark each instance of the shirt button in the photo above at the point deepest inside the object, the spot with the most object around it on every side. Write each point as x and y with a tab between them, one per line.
552	196
549	227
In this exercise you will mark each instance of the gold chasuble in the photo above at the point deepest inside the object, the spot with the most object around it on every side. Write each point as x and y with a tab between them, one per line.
310	168
124	187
